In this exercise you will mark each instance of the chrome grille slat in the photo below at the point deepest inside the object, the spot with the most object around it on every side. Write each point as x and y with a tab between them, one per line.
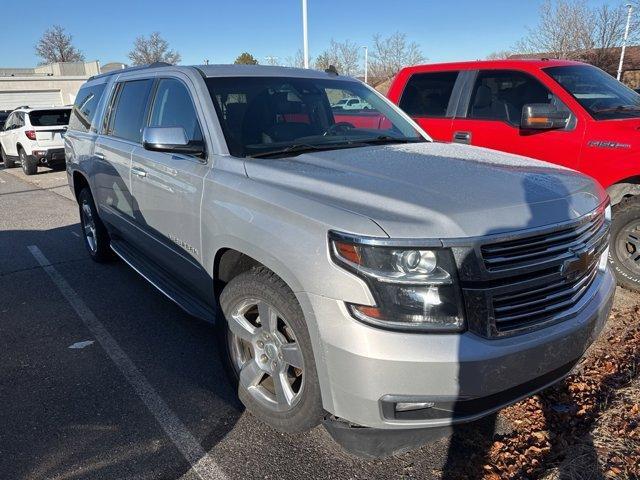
543	292
495	262
570	233
574	292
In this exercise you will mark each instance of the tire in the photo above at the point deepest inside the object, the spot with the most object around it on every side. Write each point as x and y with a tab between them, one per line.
297	413
94	233
8	162
624	251
29	164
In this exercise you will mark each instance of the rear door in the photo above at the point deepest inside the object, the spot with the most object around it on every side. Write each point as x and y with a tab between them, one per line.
493	113
167	189
49	126
429	98
112	156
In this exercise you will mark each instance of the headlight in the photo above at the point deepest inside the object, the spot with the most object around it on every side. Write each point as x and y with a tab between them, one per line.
414	288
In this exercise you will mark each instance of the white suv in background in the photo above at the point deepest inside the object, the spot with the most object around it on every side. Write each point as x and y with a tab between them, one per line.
33	136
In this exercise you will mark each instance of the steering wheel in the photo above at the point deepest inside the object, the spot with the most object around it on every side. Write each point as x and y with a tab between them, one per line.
337	128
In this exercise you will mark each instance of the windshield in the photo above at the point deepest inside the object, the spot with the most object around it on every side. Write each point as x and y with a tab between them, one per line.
50	118
599	93
262	116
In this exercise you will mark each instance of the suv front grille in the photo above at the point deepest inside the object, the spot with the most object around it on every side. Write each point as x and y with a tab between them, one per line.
532	306
540	250
527	281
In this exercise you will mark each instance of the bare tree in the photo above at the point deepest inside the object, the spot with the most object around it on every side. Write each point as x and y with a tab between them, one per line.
345	56
392	53
297	60
499	55
607	31
55	46
152	49
570	29
562	30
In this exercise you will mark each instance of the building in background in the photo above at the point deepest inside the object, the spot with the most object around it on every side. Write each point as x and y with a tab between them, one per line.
48	85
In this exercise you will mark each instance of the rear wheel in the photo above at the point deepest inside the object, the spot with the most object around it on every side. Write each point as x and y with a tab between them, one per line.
28	162
267	350
8	162
94	233
624	254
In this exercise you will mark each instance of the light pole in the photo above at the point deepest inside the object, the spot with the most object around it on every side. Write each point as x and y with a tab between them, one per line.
624	41
366	63
305	39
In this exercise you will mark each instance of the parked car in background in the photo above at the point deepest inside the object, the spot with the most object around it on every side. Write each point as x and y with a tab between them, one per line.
360	276
351	104
33	137
568	113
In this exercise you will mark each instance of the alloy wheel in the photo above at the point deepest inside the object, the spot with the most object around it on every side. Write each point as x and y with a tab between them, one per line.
266	355
89	227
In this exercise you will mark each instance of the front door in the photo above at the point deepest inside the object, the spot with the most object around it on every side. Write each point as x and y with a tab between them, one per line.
494	113
167	189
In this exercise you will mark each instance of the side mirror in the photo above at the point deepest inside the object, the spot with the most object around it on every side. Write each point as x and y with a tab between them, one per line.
171	140
543	116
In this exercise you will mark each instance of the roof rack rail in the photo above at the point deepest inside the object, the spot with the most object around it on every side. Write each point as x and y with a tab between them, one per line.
130	69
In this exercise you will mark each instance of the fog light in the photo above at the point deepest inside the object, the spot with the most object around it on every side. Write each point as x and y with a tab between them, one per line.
604	258
409	406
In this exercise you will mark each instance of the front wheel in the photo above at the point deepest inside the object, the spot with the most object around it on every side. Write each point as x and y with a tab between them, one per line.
624	253
267	350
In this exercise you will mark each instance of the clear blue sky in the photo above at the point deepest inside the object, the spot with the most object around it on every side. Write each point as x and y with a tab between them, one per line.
220	30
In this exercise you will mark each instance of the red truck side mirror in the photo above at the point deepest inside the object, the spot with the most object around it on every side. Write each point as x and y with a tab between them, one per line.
543	116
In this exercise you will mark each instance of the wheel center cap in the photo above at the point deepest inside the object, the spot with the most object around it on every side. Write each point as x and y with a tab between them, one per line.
271	350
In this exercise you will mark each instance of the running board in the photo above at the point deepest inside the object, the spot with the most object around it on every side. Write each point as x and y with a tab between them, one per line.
160	279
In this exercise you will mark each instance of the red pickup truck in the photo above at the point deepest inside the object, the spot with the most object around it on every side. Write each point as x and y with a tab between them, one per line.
564	112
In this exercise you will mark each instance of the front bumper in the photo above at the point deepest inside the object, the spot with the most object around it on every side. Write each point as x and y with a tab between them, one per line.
49	157
364	370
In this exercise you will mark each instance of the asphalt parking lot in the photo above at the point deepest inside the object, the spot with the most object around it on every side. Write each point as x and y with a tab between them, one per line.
102	377
141	394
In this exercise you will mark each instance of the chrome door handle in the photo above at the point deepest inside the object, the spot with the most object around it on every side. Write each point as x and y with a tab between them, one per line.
99	156
139	172
462	137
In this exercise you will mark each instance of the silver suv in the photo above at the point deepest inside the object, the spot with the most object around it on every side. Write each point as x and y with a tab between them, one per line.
359	274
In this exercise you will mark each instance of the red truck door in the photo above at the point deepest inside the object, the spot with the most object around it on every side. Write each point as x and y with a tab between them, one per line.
426	98
493	119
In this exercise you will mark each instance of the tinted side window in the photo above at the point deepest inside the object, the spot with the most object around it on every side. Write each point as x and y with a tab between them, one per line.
8	124
84	108
129	115
173	107
501	94
428	94
19	119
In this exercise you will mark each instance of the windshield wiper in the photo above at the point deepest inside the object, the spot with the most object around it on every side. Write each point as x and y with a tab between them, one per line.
299	148
389	139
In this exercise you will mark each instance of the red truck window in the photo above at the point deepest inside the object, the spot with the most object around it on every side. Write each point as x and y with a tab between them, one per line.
428	94
501	94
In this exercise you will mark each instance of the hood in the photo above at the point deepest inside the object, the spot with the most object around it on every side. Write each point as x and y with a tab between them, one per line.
435	190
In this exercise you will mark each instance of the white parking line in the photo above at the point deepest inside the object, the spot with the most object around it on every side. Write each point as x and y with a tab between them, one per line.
201	463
